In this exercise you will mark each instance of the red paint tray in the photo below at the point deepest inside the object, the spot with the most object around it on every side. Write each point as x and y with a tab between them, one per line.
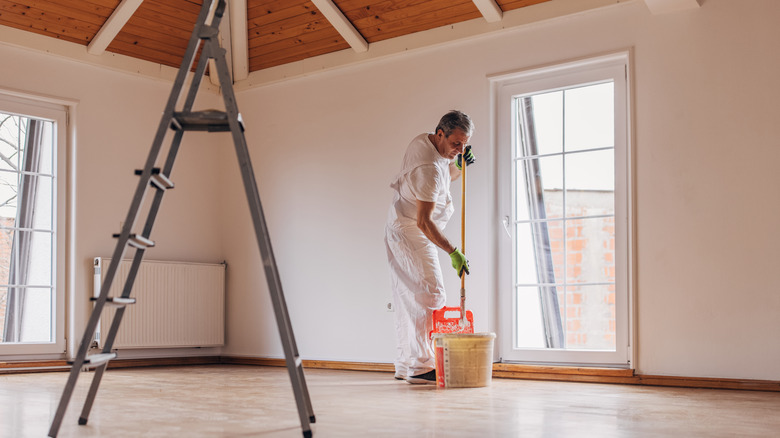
447	320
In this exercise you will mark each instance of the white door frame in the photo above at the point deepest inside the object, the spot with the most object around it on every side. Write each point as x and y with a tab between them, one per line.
504	88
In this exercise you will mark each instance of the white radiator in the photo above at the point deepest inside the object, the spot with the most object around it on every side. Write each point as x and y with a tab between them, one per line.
177	305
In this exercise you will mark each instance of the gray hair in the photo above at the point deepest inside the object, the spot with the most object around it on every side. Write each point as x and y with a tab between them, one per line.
455	120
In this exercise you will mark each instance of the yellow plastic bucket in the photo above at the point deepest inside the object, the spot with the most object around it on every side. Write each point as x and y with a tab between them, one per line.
463	360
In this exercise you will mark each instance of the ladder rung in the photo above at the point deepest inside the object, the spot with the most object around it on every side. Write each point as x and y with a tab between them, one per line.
137	241
155	171
161	182
116	301
158	180
96	359
208	120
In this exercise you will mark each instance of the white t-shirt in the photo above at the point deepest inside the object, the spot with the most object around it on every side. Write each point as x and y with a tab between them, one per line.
425	175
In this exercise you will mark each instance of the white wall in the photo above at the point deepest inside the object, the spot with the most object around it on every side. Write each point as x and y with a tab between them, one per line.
326	147
116	116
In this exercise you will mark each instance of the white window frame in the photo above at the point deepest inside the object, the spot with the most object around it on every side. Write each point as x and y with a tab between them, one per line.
505	88
55	111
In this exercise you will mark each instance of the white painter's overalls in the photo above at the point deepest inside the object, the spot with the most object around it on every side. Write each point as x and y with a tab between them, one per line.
415	273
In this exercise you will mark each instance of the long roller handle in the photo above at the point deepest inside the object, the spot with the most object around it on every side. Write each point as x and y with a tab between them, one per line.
463	320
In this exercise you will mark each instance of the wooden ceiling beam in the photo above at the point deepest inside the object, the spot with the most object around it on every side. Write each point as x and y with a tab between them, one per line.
342	25
113	25
490	10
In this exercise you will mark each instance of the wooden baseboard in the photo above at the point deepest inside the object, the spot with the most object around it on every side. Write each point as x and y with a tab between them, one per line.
165	361
564	374
61	365
41	366
550	373
500	370
709	383
321	364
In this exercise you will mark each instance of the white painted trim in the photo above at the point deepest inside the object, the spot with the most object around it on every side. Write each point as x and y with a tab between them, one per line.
112	26
239	39
342	25
75	52
489	9
668	6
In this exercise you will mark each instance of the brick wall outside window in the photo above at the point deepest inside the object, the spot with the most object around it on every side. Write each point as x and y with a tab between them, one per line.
587	312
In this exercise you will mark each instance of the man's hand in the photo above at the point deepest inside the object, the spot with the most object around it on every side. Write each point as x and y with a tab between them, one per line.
459	262
470	158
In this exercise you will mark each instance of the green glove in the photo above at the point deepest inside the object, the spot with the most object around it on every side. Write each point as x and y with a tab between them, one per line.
459	262
470	158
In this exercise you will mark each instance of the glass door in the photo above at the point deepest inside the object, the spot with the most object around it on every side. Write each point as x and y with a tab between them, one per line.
31	296
564	177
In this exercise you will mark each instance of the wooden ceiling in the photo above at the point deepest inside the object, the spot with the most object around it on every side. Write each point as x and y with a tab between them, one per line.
277	31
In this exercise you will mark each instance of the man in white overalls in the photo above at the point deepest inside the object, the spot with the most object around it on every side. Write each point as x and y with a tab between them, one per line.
421	207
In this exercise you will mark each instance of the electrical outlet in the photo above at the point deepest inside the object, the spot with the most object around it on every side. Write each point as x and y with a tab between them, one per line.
389	307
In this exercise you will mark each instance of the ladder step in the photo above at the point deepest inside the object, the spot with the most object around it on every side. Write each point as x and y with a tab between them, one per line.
158	180
137	241
208	120
116	301
161	182
96	359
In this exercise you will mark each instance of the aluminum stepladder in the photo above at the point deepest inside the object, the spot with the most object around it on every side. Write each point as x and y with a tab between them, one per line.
158	180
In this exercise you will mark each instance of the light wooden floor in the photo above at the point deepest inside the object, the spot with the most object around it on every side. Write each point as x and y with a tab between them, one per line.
249	401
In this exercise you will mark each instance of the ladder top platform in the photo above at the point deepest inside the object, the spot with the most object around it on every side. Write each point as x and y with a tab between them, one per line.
207	120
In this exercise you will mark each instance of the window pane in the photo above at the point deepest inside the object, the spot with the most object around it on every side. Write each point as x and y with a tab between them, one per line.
551	173
37	315
47	149
12	134
589	317
590	171
525	254
590	250
6	245
9	189
590	120
542	180
539	253
548	122
39	259
529	328
42	213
